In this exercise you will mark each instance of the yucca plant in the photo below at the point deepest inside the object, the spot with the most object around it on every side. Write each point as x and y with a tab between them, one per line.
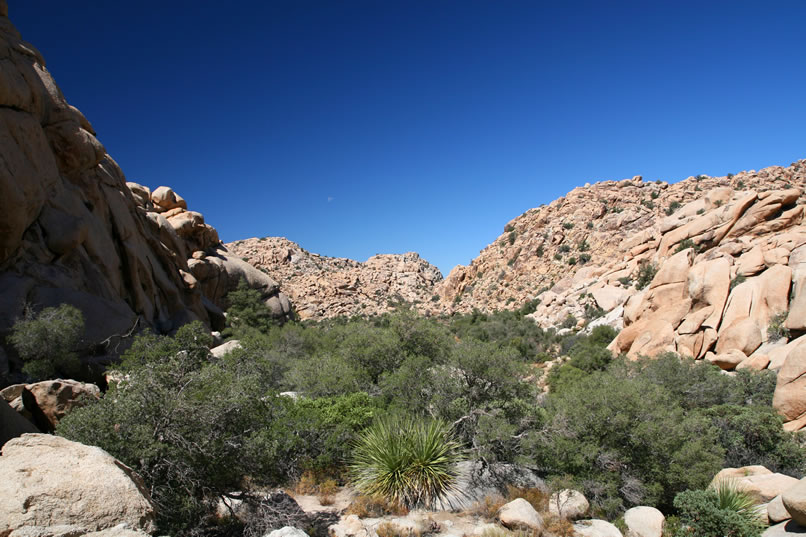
732	497
408	461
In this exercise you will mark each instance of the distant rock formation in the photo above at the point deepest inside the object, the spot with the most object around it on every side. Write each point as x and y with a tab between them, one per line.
72	230
324	287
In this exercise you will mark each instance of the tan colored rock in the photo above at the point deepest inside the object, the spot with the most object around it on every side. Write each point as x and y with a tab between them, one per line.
729	360
49	480
596	528
708	287
790	389
519	514
771	295
751	262
55	398
794	500
609	297
165	199
740	473
757	362
776	511
795	425
569	504
644	521
797	308
743	335
646	337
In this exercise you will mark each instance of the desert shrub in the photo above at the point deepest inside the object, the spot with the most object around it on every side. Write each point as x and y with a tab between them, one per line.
626	281
584	258
737	280
709	513
407	461
512	236
754	435
569	322
646	272
564	248
626	439
672	208
375	507
572	260
186	425
777	329
685	244
568	225
247	312
46	341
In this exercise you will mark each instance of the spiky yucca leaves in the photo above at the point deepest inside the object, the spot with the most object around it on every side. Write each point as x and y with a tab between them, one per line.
733	498
408	461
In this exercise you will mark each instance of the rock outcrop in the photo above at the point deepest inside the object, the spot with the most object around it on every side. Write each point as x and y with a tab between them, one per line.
45	403
323	287
50	481
74	231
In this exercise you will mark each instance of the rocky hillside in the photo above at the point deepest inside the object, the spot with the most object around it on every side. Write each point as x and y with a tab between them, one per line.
592	226
323	287
72	230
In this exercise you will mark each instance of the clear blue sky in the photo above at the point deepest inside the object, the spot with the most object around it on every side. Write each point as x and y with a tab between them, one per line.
362	127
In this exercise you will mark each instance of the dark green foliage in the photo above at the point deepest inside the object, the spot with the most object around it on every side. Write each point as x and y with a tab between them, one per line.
646	271
187	426
564	248
685	244
583	246
777	328
654	195
672	207
46	341
627	440
568	225
702	516
589	225
739	279
598	429
539	252
572	260
512	236
584	258
247	312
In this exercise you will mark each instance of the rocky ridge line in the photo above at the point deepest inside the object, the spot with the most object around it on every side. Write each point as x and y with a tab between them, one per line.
323	287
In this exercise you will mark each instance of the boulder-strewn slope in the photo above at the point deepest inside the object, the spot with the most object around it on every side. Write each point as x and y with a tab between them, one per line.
720	278
606	222
72	231
323	287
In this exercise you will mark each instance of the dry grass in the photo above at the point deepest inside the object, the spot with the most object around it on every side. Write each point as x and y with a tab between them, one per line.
488	507
326	490
390	529
374	507
306	484
538	498
558	526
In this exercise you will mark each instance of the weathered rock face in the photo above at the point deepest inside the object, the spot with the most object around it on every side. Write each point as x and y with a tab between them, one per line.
47	402
722	276
73	231
51	481
322	287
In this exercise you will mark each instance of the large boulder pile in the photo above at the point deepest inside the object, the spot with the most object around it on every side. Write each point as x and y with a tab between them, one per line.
51	483
74	231
324	287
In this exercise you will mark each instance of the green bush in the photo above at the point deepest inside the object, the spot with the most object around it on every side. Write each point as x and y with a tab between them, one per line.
247	312
407	461
777	329
626	439
186	425
717	513
46	341
646	272
672	208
